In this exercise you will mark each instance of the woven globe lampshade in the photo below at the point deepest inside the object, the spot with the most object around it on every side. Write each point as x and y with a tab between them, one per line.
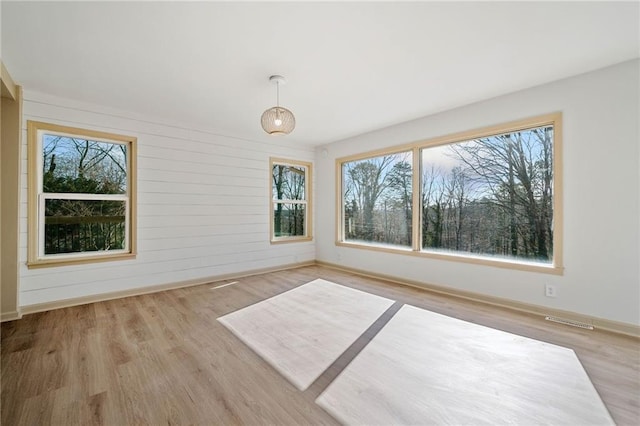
278	120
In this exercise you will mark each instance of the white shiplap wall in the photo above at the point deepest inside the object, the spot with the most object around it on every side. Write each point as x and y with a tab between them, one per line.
203	205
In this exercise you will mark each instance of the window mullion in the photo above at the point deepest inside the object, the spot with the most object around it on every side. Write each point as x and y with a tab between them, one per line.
416	203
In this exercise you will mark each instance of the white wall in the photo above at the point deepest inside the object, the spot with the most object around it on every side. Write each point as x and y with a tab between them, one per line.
601	197
203	205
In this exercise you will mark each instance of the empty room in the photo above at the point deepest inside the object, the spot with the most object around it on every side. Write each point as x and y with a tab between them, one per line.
287	213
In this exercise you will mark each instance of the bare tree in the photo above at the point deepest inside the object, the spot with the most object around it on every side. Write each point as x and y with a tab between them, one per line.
457	187
367	181
289	185
428	188
515	170
278	181
400	182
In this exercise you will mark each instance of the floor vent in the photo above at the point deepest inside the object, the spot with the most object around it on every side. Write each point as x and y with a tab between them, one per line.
569	322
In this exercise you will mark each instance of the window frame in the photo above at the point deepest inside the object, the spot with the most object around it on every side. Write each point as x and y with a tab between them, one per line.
554	267
36	257
307	202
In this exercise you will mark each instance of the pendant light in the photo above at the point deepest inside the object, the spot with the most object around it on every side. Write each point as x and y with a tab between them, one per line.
278	120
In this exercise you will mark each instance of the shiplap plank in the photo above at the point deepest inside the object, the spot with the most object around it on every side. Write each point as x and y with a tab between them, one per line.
203	220
195	173
184	155
152	233
228	185
82	117
208	152
218	195
228	242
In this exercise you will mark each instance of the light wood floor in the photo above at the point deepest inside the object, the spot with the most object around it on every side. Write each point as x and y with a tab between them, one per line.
164	359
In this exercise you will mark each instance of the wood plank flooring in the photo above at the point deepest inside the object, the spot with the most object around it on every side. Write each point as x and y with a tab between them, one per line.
163	358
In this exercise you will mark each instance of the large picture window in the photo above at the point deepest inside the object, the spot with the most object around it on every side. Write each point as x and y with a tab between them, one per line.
377	199
491	196
81	195
290	200
486	196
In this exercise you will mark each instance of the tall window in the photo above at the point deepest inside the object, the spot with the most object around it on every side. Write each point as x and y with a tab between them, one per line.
290	200
377	199
486	196
81	195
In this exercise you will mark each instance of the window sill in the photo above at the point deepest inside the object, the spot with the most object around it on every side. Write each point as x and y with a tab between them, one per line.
285	240
50	263
453	257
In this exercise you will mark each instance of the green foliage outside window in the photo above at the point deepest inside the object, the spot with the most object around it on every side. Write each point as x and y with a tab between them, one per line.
81	166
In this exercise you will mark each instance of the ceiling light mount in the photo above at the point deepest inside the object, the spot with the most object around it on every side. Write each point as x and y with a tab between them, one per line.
278	120
278	80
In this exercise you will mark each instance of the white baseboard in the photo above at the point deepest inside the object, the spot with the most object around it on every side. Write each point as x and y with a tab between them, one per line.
65	303
599	323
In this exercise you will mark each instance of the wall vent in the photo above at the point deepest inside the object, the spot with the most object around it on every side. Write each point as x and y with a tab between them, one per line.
569	322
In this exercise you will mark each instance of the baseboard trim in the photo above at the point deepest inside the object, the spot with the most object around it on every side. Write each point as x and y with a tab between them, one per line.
10	316
66	303
598	323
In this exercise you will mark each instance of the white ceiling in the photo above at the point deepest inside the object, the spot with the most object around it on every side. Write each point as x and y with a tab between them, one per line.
351	67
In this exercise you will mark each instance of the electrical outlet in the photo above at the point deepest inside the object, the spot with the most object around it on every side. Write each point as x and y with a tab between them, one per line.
550	290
